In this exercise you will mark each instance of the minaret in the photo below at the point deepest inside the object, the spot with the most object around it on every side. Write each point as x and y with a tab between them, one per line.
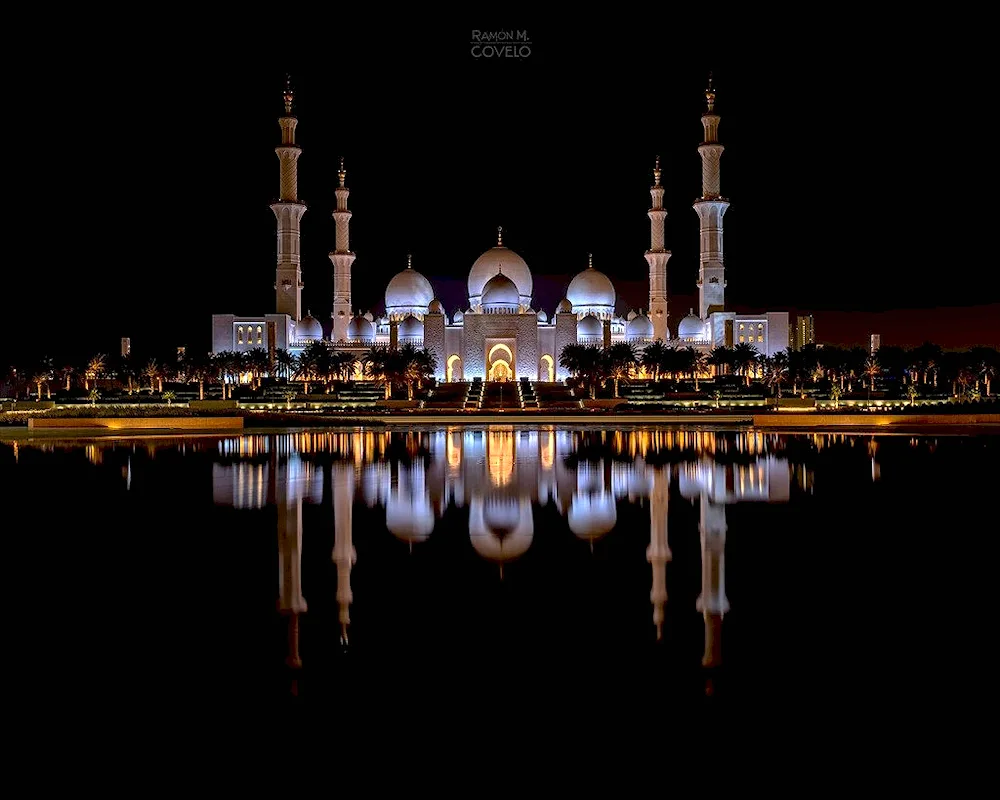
342	259
711	207
288	211
657	259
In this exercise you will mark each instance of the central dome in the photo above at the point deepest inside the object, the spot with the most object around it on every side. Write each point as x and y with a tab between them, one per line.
591	292
496	260
500	295
408	292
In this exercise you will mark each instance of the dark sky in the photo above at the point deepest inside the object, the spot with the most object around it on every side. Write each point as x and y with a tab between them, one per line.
143	168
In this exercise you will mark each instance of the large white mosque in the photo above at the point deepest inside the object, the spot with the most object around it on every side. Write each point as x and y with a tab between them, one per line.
499	335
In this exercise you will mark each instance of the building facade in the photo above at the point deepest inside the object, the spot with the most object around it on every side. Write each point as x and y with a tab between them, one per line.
499	334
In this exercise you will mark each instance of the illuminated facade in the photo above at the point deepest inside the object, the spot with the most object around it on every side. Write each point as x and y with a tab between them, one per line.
499	335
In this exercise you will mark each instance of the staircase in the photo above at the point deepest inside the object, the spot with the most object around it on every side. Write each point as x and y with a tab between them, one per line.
555	395
449	396
499	395
527	392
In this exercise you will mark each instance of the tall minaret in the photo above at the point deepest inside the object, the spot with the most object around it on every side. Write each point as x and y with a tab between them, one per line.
342	259
657	259
288	211
711	207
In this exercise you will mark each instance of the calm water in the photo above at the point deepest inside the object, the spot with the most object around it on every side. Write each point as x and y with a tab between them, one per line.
501	562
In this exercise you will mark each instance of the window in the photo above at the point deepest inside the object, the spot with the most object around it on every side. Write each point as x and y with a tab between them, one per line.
260	339
742	338
743	327
239	335
760	326
760	338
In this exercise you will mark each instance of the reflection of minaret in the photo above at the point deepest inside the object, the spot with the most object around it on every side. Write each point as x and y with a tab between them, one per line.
344	554
713	602
658	553
288	500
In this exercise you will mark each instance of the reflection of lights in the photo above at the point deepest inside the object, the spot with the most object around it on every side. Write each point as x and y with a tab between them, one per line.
500	456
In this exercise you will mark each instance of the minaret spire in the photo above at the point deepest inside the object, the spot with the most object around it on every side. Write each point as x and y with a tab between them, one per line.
342	259
657	258
499	235
288	211
711	207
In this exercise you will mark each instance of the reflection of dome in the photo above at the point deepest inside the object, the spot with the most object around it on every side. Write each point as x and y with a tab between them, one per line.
592	515
589	326
459	317
500	295
564	307
640	325
435	307
542	317
691	327
408	292
308	329
360	329
592	291
500	529
495	260
411	327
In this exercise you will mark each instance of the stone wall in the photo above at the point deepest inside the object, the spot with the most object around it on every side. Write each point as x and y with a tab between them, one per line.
565	334
523	328
434	341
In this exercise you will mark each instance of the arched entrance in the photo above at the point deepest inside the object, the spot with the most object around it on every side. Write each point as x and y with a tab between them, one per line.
546	369
500	370
454	368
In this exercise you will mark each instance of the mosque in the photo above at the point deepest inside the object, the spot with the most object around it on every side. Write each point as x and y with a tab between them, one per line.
500	335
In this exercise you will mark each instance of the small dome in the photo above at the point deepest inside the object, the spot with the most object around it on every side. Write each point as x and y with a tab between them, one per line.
360	329
435	307
639	325
691	327
564	307
369	316
589	326
383	320
542	317
411	327
500	295
591	290
408	292
459	316
308	329
632	315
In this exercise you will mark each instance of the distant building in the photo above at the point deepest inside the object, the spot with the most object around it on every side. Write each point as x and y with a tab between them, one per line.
876	343
126	347
805	331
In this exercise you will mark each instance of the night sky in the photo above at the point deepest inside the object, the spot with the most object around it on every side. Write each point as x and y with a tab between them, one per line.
856	172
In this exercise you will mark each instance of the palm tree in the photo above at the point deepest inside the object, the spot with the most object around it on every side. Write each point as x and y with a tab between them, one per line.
40	377
257	362
775	371
912	392
289	396
717	394
377	363
68	372
620	360
152	371
745	357
169	397
94	396
720	358
652	358
316	360
586	363
412	365
95	369
343	365
199	369
835	392
871	370
699	365
284	363
818	373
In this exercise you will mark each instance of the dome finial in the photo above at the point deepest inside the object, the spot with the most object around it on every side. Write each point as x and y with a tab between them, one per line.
409	261
656	171
342	174
289	94
499	235
590	260
710	94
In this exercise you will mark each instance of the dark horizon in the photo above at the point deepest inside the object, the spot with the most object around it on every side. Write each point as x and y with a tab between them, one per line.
151	206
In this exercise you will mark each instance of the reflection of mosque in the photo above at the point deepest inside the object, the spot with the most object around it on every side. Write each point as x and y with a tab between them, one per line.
499	474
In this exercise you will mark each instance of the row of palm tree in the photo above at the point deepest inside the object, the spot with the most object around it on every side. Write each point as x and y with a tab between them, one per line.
594	365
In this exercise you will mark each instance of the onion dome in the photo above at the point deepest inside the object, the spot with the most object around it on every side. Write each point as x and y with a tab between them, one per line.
564	307
369	316
408	292
543	318
632	315
360	329
458	318
435	307
308	329
639	325
500	295
591	292
589	326
496	260
411	328
691	327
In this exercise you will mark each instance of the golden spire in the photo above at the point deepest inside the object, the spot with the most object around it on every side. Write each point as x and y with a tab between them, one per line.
656	171
342	174
499	235
590	260
409	261
710	94
289	94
